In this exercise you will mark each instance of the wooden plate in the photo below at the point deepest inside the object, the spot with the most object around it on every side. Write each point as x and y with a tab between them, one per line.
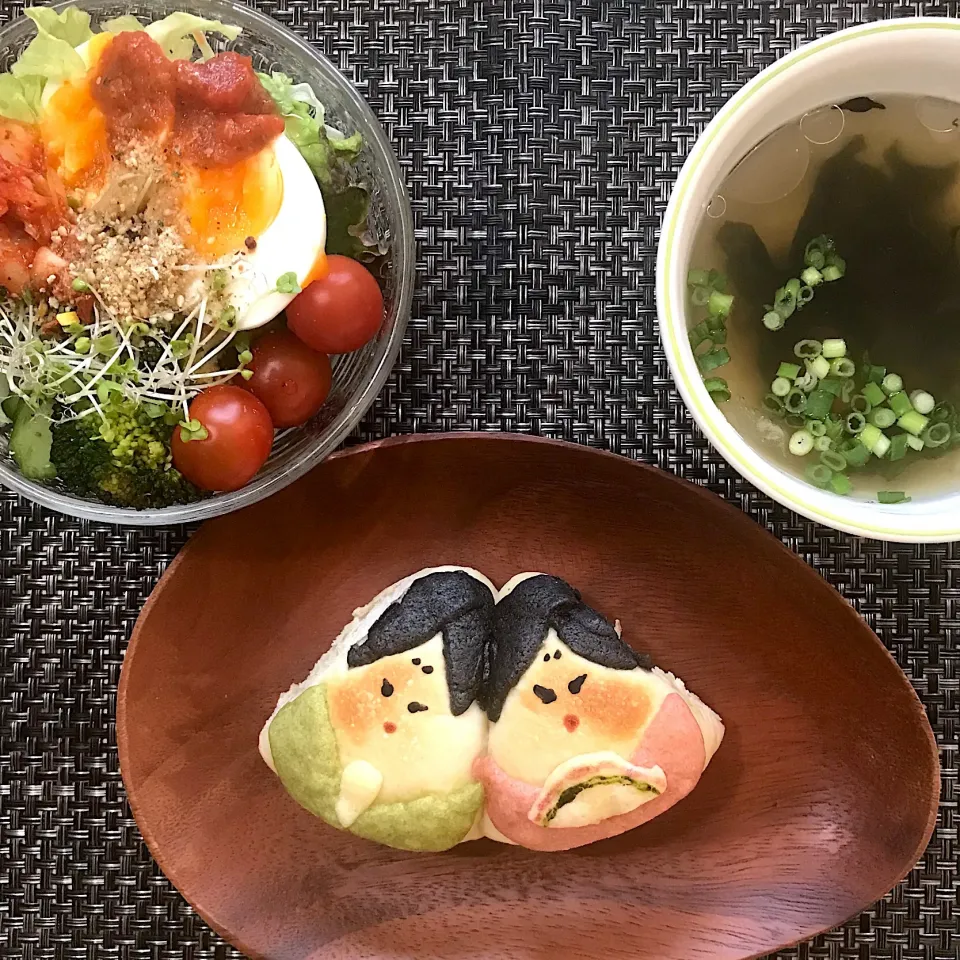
823	795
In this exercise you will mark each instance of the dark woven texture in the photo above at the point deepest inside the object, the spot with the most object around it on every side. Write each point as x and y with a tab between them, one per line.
540	139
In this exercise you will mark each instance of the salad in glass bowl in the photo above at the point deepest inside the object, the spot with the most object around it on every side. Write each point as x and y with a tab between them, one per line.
186	239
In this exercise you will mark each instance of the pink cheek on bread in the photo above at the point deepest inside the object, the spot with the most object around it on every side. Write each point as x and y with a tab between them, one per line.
673	741
390	727
571	721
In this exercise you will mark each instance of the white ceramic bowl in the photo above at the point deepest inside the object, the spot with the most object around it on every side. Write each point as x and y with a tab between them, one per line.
919	57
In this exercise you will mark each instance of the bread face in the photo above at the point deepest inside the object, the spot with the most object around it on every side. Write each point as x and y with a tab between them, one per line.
535	719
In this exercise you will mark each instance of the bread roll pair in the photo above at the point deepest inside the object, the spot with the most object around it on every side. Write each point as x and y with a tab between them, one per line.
447	711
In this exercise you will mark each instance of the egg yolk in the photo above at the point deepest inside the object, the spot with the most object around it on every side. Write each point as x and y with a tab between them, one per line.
223	206
73	128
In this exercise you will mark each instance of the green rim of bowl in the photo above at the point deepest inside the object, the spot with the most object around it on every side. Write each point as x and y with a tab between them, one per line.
705	409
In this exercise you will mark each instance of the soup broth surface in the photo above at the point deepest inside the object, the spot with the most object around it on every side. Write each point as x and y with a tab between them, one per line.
881	177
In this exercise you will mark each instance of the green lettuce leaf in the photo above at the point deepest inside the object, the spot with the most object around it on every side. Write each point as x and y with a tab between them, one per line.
320	145
20	97
73	25
49	57
174	33
124	24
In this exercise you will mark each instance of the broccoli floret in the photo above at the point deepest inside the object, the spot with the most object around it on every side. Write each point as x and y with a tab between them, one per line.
126	463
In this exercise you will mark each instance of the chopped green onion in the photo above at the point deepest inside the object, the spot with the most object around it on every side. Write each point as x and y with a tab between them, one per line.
922	402
808	349
698	278
822	443
870	436
915	442
804	296
718	337
874	394
876	374
913	422
811	276
832	386
801	443
699	334
772	320
849	385
936	435
834	348
943	411
854	452
833	460
817	427
892	383
819	404
843	367
772	403
794	420
835	260
806	382
840	484
819	367
834	427
713	359
814	254
860	404
781	387
720	304
900	403
892	496
882	417
788	370
856	422
795	401
700	296
718	389
717	281
785	302
831	273
899	445
818	474
882	445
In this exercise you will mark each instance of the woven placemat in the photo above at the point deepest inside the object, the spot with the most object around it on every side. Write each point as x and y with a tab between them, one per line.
540	139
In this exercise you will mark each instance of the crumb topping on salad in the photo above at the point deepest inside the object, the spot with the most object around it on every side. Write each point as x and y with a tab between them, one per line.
160	202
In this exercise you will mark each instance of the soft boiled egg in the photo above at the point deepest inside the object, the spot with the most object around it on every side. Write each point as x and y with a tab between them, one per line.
292	243
73	129
261	219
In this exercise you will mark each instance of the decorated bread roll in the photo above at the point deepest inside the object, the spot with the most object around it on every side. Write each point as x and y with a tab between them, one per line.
382	737
587	739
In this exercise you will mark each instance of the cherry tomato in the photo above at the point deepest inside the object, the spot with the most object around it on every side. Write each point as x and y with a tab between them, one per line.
237	444
291	379
341	311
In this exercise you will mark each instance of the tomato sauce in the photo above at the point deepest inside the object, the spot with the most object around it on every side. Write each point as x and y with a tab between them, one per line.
216	112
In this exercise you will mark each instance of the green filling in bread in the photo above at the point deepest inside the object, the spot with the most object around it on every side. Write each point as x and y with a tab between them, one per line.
601	780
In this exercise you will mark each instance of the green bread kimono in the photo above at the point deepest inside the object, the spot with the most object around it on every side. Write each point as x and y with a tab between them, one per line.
382	737
307	760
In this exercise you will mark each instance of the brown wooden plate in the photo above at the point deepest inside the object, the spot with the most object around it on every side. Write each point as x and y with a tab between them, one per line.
822	796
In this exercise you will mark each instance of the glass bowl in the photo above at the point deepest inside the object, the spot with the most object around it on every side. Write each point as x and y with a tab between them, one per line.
357	377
